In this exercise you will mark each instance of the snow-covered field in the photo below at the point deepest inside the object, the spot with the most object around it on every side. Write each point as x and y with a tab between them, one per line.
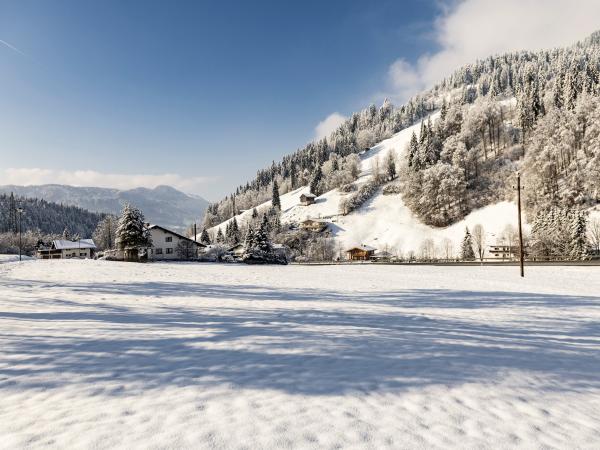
97	354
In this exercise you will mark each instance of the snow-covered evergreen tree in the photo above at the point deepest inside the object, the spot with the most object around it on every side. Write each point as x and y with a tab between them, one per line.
578	235
315	180
276	202
466	248
132	234
258	248
204	237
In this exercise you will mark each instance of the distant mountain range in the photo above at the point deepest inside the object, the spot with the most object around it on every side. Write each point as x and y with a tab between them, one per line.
162	205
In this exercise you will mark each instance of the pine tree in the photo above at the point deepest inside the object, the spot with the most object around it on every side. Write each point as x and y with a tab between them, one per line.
293	177
132	233
390	165
466	249
220	238
204	237
314	182
578	235
12	214
249	242
276	202
413	151
235	232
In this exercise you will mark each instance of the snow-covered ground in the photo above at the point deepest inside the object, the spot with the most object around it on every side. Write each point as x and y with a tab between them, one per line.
97	354
385	222
12	258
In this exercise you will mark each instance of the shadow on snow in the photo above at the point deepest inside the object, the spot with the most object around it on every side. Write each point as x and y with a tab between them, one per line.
373	342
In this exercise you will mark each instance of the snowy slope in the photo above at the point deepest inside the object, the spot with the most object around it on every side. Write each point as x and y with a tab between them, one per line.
108	355
384	221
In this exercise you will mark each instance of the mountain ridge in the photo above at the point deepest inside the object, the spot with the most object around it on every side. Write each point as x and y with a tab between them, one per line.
163	204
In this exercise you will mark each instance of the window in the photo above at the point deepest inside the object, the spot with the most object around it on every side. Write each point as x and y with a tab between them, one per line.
82	254
169	251
159	251
169	239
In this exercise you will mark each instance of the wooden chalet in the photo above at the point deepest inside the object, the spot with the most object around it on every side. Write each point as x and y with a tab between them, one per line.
307	199
360	253
313	225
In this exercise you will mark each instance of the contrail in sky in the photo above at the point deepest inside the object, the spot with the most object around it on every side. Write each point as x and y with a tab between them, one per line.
12	47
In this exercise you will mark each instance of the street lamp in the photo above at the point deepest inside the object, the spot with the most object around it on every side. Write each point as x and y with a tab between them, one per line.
20	212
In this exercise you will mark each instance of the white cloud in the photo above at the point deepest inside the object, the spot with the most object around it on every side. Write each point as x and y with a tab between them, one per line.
325	127
91	178
473	29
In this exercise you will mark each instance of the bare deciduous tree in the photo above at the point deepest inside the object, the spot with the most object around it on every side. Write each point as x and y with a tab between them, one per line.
427	250
593	233
447	249
185	249
479	240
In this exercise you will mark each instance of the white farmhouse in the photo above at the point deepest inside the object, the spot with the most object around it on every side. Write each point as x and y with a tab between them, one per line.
64	249
165	242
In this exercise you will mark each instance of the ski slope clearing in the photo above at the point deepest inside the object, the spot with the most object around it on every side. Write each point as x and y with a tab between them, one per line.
95	354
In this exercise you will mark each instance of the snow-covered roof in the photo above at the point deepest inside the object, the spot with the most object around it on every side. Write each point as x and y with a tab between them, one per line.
180	236
309	195
365	248
63	244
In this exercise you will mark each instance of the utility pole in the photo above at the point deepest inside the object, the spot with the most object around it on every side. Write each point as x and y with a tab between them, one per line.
20	211
521	251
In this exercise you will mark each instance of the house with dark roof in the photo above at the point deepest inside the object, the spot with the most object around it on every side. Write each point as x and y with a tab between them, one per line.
165	245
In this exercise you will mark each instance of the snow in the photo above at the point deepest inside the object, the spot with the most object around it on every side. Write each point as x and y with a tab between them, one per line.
385	221
63	244
97	354
12	258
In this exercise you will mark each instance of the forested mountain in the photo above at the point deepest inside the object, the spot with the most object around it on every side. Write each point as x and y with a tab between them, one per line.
475	137
163	205
45	217
533	112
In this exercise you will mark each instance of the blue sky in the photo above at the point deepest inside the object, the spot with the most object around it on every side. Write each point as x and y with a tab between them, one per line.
202	94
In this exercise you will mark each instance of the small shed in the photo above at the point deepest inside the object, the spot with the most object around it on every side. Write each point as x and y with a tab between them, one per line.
307	199
360	253
313	225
